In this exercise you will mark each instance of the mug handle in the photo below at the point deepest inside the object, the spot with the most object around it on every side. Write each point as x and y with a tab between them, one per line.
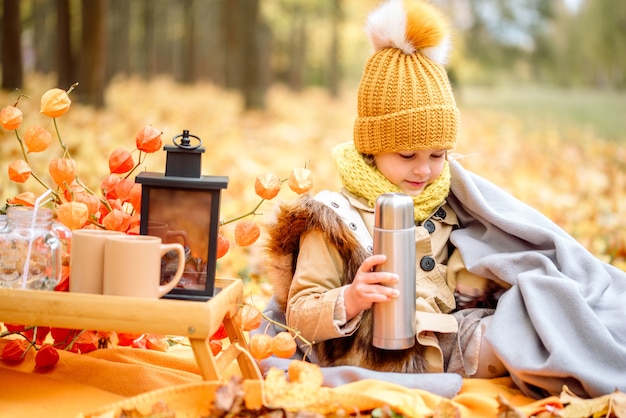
165	248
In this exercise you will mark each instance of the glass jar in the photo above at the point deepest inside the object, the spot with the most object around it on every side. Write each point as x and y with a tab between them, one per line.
31	249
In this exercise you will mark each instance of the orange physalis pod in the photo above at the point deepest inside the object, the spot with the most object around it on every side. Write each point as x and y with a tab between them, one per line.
47	356
220	333
123	188
283	345
216	346
37	139
300	180
134	227
120	161
74	215
92	201
117	220
55	102
108	186
14	350
305	372
19	171
148	139
246	233
260	346
113	204
11	118
223	245
72	190
24	199
157	342
134	197
127	338
63	171
250	317
267	186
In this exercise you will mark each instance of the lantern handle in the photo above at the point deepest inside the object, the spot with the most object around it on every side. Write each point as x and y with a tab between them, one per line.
185	142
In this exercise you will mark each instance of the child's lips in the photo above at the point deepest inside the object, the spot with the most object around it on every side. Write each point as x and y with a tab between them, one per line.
416	184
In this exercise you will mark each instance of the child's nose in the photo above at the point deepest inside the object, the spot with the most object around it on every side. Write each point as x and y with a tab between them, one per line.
421	169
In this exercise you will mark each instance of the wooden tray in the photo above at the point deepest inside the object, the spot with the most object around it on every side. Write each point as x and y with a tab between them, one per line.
192	319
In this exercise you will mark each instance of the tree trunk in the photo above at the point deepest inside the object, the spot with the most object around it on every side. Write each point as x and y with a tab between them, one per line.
118	61
148	50
93	53
44	44
334	70
232	43
187	44
66	69
12	68
297	51
209	46
251	86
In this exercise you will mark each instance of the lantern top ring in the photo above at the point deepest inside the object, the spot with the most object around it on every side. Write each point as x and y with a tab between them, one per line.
183	141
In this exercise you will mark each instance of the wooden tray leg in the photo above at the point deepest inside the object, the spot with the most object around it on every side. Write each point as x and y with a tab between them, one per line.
248	366
205	359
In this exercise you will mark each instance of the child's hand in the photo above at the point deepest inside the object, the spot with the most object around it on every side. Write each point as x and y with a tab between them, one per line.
369	287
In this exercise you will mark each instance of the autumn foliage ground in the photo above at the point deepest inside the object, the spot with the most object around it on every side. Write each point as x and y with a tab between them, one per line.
569	172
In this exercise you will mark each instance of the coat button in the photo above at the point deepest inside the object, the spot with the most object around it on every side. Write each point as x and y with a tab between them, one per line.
441	213
427	263
352	226
430	226
334	204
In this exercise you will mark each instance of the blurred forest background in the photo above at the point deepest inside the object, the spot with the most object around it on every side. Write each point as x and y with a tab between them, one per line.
270	85
249	45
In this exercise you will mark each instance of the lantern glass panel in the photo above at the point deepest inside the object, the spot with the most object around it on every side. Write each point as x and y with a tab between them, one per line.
187	211
182	216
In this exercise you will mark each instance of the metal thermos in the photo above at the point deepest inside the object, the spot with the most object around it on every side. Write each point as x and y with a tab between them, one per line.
394	236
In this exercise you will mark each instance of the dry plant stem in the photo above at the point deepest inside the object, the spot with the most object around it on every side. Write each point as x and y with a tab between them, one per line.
140	161
294	331
25	155
31	343
66	152
7	333
73	341
250	213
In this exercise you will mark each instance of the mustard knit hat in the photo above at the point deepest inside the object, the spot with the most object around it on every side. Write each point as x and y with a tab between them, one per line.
405	100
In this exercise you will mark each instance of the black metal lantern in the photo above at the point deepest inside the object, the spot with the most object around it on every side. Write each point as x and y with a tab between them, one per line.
183	206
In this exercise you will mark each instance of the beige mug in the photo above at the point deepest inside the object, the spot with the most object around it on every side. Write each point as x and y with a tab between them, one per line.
87	259
132	266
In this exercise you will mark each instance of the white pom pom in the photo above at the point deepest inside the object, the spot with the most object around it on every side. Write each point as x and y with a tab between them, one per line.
386	27
439	53
421	28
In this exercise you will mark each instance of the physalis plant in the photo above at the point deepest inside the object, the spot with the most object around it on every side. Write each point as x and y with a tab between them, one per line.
114	206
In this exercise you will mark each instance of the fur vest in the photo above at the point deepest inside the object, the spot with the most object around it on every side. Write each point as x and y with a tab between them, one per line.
293	218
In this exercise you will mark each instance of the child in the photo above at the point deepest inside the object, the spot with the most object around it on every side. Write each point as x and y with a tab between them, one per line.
500	288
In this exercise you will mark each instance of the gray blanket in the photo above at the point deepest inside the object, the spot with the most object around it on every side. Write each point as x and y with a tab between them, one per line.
563	322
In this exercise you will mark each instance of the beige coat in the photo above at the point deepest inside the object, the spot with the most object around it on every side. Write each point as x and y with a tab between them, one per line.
330	236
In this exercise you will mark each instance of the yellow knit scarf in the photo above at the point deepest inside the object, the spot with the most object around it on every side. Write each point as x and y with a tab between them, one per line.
363	180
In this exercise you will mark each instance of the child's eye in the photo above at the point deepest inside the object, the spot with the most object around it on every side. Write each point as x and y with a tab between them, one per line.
437	156
406	156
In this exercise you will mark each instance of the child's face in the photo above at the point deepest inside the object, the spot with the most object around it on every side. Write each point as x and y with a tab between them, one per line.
411	171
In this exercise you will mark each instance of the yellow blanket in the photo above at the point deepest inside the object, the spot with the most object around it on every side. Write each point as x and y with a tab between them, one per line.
84	382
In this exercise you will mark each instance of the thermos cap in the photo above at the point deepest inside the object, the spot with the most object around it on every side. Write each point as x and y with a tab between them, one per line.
394	211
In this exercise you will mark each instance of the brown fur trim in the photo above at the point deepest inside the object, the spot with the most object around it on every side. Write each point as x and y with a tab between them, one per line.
292	220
